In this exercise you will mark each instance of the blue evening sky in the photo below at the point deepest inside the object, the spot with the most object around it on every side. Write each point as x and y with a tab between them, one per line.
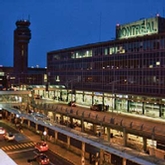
58	24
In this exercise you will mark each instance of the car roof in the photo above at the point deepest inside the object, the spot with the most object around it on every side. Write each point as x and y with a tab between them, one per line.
42	155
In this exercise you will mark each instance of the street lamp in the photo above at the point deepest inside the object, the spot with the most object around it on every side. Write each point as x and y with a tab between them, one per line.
71	85
113	90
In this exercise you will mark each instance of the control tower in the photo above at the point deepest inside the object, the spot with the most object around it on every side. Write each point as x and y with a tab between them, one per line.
22	35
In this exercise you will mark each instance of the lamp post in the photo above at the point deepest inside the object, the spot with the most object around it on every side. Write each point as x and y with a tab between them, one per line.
71	85
113	90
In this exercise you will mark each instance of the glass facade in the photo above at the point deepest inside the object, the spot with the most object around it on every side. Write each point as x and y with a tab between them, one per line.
128	73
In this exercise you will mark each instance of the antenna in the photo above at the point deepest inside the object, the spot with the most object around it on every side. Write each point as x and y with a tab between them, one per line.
29	17
100	26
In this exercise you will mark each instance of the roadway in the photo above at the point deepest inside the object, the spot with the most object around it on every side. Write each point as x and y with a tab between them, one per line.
22	148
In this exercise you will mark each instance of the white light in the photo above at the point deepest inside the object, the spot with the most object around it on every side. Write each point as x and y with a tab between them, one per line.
17	115
44	133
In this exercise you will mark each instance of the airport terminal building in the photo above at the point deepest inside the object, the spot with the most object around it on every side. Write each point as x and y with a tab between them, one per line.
127	73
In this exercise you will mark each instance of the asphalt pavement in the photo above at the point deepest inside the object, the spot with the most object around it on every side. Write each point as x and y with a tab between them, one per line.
62	152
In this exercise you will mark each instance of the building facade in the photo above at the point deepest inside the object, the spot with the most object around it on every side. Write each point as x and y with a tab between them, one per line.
127	73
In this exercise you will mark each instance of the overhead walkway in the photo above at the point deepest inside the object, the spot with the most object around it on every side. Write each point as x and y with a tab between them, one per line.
14	96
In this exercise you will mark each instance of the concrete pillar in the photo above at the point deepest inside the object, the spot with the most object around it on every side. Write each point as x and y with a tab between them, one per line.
6	114
97	159
110	158
124	161
22	120
144	144
83	154
95	128
109	134
68	142
125	136
101	157
54	117
71	120
36	127
46	112
82	125
62	118
46	129
28	123
55	136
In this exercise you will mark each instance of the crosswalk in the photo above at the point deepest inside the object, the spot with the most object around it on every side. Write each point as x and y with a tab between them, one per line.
18	146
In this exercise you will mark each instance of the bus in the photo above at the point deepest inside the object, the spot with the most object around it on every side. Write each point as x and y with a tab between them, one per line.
5	159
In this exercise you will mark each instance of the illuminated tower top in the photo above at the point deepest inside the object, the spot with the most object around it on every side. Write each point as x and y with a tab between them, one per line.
22	35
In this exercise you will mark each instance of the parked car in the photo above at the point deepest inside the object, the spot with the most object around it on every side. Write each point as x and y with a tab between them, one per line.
41	146
42	159
2	131
72	103
9	136
99	107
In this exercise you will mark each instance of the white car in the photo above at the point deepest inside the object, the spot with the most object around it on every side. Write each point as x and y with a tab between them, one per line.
9	136
2	131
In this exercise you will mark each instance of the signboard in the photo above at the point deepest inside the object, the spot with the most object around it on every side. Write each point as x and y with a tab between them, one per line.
138	28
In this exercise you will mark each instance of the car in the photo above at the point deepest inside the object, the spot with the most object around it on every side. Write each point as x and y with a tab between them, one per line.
9	136
41	146
99	107
2	131
42	159
72	104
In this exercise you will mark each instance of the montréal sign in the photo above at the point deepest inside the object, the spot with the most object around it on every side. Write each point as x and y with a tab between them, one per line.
139	28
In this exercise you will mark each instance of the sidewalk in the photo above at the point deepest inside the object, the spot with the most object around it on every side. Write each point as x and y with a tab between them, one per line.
62	152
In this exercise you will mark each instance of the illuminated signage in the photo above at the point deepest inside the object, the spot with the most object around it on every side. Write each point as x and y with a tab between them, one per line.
139	28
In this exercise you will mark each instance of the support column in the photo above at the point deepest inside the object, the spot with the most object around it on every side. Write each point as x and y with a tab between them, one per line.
144	144
110	158
95	128
28	123
124	161
97	159
101	157
83	154
71	121
125	136
61	118
55	136
46	112
68	142
6	114
82	125
36	127
109	134
54	117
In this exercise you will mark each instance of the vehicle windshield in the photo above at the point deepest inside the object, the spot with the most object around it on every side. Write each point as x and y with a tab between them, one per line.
10	134
43	156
